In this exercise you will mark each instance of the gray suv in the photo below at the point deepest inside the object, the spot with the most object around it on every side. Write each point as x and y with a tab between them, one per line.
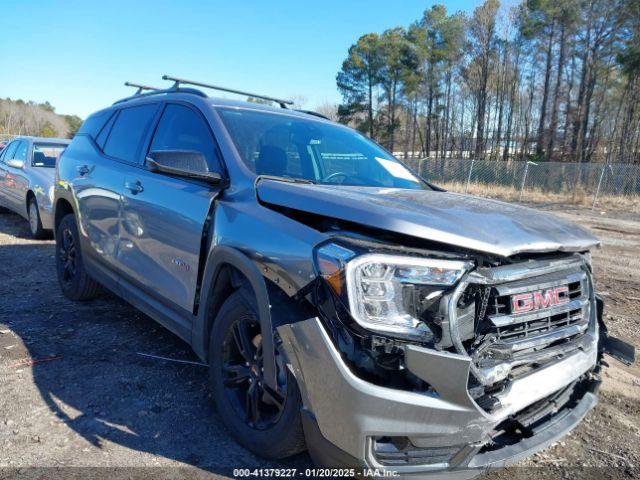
344	304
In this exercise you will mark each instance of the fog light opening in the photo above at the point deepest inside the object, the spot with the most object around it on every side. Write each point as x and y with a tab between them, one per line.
397	451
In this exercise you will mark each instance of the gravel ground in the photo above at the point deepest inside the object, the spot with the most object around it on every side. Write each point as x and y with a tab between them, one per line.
76	395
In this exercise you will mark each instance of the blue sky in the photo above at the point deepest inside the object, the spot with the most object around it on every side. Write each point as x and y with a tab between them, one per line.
77	54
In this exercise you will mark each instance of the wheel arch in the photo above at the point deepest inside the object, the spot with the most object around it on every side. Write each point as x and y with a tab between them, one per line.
30	194
226	270
61	208
27	198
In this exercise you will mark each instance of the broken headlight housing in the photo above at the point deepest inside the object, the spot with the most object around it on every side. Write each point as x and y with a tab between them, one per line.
393	294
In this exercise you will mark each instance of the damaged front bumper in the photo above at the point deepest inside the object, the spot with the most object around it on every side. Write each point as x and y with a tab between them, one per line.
353	422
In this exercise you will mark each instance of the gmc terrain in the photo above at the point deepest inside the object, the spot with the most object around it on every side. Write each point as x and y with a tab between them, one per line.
343	304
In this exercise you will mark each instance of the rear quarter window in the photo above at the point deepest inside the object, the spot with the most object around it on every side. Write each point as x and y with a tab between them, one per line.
104	133
94	123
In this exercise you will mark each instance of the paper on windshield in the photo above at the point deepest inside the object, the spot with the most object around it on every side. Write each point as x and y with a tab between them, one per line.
395	169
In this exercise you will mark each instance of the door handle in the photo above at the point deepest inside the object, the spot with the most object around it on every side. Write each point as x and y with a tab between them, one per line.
134	187
84	169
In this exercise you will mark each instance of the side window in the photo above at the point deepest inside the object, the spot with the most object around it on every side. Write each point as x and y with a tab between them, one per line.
128	131
21	151
180	128
104	133
10	150
93	124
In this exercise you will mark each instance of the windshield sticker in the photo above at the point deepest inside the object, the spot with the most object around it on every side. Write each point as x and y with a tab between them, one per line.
395	169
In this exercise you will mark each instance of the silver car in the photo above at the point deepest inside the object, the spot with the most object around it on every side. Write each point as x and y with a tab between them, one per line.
27	173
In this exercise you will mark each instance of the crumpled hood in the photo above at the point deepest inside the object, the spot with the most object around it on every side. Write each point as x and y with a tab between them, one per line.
460	220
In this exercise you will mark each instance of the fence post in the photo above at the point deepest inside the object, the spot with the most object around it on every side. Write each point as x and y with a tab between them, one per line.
466	189
524	179
595	196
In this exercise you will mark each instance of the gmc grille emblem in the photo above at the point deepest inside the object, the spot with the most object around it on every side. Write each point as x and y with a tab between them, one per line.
526	302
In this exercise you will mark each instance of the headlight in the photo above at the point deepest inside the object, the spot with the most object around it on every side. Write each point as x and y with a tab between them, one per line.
392	293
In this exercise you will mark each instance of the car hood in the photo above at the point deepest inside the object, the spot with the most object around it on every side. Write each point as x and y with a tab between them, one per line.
455	219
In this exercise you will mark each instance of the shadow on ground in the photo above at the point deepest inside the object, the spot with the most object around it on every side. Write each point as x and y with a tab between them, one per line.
88	371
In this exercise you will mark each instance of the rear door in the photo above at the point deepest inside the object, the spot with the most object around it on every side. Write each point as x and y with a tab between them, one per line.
163	216
99	177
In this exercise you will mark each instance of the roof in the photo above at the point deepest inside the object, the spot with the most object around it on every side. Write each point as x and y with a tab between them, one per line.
65	141
215	102
229	103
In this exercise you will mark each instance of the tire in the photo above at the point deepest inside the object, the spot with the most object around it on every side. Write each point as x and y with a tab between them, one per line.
75	282
35	224
278	432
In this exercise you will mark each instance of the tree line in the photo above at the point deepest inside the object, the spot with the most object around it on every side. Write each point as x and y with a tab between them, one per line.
543	80
19	117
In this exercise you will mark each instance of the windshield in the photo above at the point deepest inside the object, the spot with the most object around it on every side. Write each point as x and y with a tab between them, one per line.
46	154
300	148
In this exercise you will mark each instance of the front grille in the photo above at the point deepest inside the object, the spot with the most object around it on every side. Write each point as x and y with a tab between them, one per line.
493	334
537	327
500	304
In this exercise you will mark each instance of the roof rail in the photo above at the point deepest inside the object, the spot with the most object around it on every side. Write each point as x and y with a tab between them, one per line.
157	91
315	114
140	88
178	81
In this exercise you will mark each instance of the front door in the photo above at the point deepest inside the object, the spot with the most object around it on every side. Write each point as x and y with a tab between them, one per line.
163	216
16	182
7	154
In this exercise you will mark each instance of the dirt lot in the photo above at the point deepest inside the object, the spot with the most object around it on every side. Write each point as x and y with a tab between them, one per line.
74	391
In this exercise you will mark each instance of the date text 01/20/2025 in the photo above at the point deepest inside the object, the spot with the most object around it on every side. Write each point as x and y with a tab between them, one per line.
312	472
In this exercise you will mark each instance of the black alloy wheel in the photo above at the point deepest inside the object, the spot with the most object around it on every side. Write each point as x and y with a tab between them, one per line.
265	420
75	282
67	256
243	374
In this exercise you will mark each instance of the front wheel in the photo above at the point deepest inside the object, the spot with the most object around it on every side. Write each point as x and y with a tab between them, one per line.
75	282
265	421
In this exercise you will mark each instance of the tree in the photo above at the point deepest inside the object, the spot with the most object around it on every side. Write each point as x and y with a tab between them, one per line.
74	123
398	58
18	117
360	74
558	79
438	39
482	29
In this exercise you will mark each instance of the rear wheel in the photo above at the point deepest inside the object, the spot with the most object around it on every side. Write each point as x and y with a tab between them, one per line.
35	224
75	282
265	421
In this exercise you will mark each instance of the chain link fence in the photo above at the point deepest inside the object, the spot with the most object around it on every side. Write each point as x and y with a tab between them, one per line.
614	185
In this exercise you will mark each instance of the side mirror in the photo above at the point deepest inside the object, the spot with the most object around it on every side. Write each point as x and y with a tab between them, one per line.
13	163
182	163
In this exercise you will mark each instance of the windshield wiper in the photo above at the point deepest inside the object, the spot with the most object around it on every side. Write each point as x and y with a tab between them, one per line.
285	179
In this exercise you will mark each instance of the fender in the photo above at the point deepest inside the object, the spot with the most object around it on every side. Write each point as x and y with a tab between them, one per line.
224	255
62	193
